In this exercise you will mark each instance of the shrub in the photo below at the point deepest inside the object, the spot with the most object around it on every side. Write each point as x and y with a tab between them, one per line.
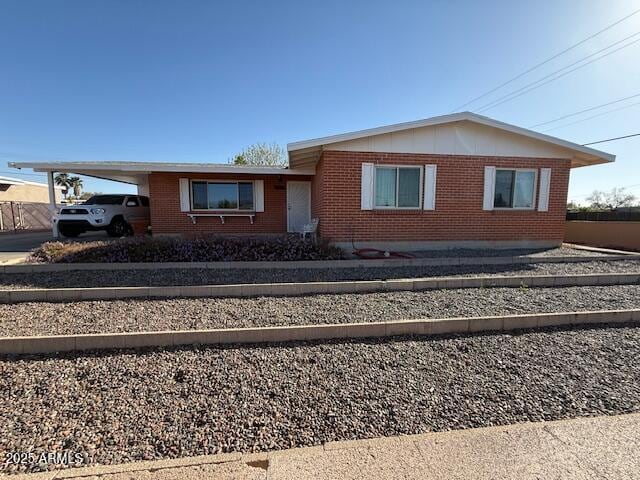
200	249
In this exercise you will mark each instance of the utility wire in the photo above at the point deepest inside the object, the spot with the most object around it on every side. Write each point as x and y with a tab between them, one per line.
592	117
584	111
536	84
535	67
611	139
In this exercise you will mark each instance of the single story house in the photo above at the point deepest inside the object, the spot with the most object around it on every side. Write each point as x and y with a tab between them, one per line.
459	180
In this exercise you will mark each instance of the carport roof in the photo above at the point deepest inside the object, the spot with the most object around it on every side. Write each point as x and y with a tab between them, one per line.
134	172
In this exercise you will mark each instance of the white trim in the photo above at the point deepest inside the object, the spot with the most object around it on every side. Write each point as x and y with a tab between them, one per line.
153	167
545	188
258	195
308	184
515	180
18	181
184	187
230	210
421	182
456	117
430	174
366	186
489	190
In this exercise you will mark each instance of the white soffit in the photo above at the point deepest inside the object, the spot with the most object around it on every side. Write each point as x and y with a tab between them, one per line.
463	133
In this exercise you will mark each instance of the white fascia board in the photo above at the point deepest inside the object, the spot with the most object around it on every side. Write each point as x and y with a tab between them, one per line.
455	117
149	167
11	181
17	181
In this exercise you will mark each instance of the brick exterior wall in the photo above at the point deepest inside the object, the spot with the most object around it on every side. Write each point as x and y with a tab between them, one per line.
166	217
459	197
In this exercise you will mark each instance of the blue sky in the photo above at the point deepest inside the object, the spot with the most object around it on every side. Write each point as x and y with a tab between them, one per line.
197	81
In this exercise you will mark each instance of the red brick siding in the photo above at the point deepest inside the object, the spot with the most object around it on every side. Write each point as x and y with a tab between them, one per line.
459	196
166	217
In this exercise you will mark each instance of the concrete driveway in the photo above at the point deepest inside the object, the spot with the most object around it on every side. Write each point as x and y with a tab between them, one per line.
14	247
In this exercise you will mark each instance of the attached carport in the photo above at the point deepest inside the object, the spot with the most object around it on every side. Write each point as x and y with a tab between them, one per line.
126	172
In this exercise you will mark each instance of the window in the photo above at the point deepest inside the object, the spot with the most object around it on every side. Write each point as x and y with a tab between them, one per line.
398	187
132	202
222	195
144	201
514	189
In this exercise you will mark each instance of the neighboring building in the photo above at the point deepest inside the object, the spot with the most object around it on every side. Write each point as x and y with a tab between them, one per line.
16	190
460	180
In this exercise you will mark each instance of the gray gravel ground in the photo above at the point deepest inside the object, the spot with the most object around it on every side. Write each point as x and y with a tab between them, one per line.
529	252
124	406
186	314
81	278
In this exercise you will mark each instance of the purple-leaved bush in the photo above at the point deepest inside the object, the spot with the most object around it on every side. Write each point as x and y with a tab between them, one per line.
199	249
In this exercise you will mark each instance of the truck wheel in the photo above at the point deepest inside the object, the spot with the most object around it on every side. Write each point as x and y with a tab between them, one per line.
118	228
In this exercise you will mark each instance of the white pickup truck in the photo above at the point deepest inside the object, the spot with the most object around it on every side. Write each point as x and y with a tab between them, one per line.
113	213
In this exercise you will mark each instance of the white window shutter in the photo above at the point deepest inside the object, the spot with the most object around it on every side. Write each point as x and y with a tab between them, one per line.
366	189
430	172
489	187
185	204
543	194
258	194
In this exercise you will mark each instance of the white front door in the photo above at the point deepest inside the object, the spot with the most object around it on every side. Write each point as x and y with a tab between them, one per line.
298	205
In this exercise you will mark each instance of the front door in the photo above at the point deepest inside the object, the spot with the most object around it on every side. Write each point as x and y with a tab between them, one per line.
298	205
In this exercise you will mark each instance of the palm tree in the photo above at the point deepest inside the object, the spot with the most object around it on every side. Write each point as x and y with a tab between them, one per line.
76	184
62	179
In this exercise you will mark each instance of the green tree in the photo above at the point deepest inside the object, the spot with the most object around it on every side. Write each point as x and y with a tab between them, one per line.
272	155
63	180
76	184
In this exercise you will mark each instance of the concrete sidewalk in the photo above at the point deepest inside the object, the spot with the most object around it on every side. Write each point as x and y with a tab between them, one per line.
590	448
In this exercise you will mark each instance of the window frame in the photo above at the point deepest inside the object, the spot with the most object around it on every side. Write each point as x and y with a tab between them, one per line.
516	170
208	181
397	167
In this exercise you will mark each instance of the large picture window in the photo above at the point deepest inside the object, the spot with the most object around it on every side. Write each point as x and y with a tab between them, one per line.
222	195
515	189
398	187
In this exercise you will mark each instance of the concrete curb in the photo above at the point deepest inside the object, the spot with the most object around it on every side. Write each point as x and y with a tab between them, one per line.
332	264
101	341
394	444
309	288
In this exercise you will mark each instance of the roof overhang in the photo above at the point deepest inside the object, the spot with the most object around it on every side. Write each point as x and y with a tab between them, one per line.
305	154
17	181
136	172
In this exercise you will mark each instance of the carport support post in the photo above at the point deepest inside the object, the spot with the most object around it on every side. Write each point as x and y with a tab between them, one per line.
52	202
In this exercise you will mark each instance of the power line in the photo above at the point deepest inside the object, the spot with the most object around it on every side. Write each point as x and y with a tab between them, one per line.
532	86
611	139
593	116
584	111
535	67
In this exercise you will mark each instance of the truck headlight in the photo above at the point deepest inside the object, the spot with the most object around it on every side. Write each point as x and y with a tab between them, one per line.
97	211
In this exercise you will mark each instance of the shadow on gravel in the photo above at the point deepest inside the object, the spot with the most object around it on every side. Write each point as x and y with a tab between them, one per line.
266	346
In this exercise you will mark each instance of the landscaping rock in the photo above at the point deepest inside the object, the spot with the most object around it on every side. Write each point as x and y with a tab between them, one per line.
203	276
124	406
203	313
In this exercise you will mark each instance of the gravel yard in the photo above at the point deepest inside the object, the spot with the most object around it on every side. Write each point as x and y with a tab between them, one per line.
202	313
535	252
201	276
124	406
